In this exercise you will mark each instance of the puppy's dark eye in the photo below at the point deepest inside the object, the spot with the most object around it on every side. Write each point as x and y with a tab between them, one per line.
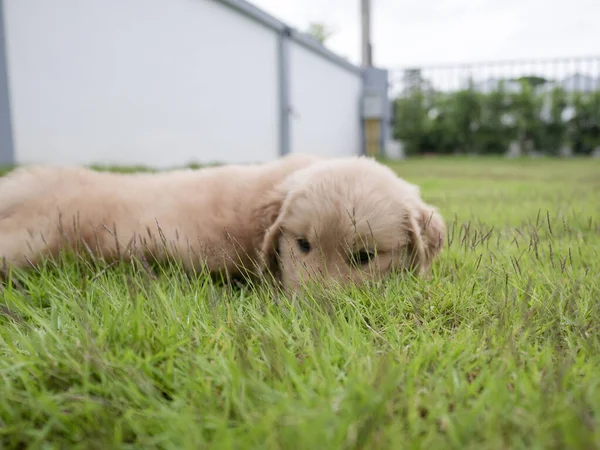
303	245
363	257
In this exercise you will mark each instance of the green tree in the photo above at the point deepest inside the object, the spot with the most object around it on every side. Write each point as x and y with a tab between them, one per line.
585	125
466	118
411	121
442	136
533	81
495	132
527	108
320	31
554	134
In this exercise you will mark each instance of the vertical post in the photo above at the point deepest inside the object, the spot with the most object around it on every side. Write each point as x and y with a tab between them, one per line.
376	111
367	60
7	156
371	120
284	91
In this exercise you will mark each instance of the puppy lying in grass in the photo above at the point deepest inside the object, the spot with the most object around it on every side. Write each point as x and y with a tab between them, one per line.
300	218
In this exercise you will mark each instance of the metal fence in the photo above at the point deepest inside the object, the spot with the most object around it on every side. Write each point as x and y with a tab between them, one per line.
547	106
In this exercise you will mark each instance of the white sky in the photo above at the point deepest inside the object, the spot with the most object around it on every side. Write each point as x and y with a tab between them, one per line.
408	32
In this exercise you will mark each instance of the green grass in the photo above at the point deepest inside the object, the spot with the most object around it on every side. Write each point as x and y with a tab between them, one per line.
499	349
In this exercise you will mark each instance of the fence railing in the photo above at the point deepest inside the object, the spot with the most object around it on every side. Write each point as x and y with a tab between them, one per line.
544	106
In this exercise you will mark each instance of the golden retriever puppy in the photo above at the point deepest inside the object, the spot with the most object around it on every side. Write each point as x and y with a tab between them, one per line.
301	218
348	220
204	218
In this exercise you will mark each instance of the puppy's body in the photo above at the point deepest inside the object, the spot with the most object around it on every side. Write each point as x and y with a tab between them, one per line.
203	217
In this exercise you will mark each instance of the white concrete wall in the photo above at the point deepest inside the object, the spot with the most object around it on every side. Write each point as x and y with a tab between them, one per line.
154	82
325	100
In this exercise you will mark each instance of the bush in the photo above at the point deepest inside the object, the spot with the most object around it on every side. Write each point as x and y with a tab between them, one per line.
468	121
585	125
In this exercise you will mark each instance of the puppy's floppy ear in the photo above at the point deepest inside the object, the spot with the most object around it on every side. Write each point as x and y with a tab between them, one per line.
268	214
427	231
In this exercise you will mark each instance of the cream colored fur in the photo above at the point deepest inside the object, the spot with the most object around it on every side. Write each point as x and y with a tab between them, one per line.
227	219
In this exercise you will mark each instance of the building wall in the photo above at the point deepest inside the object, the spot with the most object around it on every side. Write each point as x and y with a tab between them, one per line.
325	100
135	82
165	83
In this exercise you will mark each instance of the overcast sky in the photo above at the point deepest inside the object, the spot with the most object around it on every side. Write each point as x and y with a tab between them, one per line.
407	32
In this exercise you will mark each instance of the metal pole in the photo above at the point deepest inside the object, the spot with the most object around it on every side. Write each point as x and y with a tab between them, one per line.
366	33
284	92
7	150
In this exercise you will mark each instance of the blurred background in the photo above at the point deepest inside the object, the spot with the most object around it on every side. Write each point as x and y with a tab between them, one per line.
166	83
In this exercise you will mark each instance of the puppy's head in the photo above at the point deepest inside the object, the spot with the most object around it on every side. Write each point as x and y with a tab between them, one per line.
347	220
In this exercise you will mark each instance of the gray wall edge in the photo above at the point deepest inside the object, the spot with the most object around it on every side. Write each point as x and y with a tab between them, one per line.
303	39
312	44
284	93
7	151
254	13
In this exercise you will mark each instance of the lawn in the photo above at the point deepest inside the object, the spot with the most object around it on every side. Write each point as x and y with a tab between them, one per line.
499	349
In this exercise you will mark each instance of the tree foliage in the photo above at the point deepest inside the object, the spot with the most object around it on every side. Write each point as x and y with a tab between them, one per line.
320	31
544	120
